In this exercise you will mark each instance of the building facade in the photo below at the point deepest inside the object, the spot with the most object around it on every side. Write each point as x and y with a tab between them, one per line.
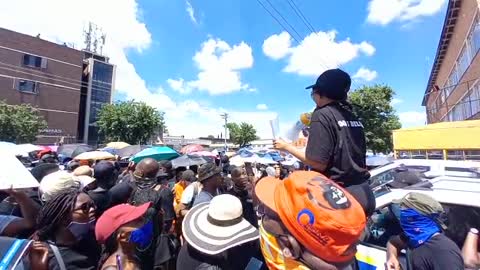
453	90
68	86
46	75
97	90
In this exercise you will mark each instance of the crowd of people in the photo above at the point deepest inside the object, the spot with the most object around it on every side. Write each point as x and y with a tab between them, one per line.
150	215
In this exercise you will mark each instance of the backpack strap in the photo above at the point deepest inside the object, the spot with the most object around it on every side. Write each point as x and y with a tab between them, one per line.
58	257
10	254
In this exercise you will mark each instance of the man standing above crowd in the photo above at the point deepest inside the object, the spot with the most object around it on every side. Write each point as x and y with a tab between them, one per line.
336	143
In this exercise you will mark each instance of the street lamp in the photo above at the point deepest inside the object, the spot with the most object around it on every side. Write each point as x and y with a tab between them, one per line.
225	117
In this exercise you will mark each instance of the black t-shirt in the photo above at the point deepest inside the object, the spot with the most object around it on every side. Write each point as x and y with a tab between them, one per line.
236	258
438	253
73	260
338	140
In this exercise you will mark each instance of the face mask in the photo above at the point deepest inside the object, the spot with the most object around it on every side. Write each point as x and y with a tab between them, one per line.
417	227
80	230
143	235
272	252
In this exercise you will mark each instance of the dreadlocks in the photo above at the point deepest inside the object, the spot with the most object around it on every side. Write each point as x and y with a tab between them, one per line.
55	212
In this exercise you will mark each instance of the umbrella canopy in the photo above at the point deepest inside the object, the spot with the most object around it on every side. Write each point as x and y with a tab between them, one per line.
204	154
94	155
24	149
73	150
188	160
131	150
117	145
157	152
188	149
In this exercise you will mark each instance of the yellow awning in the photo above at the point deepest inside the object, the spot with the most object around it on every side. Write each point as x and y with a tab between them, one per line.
445	135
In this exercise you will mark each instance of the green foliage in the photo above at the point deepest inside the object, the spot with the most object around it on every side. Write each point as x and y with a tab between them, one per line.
129	121
372	104
242	134
19	123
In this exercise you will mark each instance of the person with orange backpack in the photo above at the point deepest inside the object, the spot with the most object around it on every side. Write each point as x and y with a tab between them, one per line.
308	222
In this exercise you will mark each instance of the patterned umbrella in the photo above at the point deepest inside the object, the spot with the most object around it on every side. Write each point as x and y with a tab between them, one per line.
188	149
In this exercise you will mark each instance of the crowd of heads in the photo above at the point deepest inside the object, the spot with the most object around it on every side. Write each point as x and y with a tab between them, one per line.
150	215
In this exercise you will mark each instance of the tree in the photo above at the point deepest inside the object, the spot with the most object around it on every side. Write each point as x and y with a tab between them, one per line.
130	121
242	134
372	104
20	123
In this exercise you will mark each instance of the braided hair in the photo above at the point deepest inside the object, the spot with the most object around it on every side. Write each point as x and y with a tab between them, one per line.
55	212
108	249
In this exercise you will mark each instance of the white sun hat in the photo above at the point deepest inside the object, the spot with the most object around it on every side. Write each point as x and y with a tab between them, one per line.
214	227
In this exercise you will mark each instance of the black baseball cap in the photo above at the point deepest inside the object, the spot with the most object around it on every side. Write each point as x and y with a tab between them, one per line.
333	84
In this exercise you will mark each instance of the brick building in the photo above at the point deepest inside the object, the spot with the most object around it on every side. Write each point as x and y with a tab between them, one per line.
453	90
68	86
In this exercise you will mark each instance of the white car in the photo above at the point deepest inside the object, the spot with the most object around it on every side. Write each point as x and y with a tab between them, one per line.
460	198
429	168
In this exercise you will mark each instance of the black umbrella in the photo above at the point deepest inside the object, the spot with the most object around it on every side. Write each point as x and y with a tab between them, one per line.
73	150
188	160
41	170
131	150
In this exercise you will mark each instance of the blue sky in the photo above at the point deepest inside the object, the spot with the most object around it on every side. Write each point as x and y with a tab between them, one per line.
195	59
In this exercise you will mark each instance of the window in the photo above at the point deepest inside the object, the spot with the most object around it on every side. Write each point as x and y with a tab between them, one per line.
464	61
435	154
475	98
460	219
472	154
382	178
474	38
27	86
419	154
454	155
34	61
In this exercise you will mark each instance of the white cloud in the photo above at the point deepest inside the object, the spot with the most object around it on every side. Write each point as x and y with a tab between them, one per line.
365	74
316	53
179	86
412	118
191	12
61	21
384	12
277	46
396	101
220	65
193	120
262	107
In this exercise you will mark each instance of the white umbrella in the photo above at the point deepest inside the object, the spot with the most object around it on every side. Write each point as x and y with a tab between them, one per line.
24	149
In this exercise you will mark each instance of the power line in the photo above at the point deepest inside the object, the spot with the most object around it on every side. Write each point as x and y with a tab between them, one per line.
275	18
72	85
285	20
61	78
300	14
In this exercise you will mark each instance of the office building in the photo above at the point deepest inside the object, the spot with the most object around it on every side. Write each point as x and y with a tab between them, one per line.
68	86
97	89
453	89
46	75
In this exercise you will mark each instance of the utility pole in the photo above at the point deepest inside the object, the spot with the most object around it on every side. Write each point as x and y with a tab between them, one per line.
225	117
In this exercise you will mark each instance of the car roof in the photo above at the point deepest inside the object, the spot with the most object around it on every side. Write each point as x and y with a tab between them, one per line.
448	192
433	162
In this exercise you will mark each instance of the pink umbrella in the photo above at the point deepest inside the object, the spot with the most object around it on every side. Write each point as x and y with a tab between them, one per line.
188	149
204	154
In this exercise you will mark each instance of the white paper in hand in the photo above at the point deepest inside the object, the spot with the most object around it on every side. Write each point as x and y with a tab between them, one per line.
13	173
275	128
